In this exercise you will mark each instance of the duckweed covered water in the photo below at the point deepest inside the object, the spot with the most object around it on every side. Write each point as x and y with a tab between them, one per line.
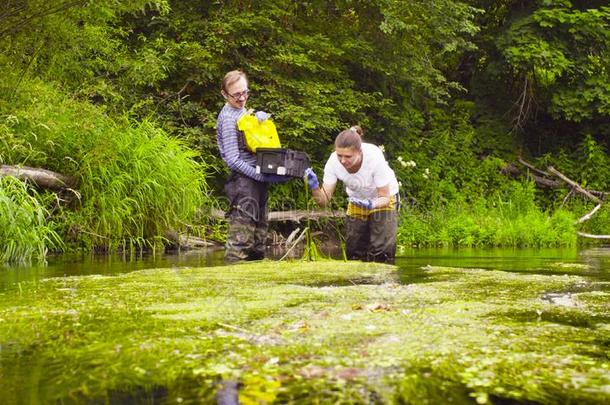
322	332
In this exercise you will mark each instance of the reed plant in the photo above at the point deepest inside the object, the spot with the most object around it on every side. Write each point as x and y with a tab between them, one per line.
134	181
509	220
137	185
310	250
25	233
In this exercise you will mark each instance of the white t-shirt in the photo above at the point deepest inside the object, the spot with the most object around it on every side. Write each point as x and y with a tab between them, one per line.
374	173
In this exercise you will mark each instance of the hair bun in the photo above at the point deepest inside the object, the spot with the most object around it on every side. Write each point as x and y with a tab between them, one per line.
357	130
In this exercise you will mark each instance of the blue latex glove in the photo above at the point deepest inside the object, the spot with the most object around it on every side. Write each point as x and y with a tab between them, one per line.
312	179
368	204
261	116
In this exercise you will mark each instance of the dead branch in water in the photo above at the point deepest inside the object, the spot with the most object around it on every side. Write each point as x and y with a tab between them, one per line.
575	186
591	236
588	216
539	180
597	196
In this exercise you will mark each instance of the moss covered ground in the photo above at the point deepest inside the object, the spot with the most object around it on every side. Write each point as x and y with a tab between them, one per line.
318	332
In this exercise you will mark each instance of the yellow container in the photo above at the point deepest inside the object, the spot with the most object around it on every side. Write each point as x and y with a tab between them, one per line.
258	134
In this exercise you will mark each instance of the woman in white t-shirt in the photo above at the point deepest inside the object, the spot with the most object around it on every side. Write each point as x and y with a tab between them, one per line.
372	188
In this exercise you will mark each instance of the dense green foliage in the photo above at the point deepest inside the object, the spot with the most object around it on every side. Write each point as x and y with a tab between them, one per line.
134	181
454	90
546	64
510	220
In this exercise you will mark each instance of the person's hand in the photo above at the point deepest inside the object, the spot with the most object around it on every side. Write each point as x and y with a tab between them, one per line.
312	179
261	116
363	203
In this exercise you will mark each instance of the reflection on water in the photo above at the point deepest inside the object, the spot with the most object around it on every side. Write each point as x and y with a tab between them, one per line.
589	262
88	264
594	262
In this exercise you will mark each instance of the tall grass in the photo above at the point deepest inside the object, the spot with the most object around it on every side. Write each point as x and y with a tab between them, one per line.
136	185
25	234
134	181
512	220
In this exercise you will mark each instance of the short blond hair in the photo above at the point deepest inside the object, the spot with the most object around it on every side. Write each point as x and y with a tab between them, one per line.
232	77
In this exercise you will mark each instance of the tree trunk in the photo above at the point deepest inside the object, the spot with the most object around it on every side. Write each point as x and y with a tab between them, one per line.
41	177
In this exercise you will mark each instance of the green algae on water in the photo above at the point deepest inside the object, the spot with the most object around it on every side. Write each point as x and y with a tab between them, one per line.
306	332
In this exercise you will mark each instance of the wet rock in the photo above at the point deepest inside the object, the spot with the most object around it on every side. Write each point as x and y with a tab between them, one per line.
563	299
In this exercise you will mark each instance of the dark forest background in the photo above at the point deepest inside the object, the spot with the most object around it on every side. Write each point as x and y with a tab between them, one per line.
123	97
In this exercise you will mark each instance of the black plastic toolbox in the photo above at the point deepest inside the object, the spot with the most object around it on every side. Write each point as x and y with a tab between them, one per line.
285	162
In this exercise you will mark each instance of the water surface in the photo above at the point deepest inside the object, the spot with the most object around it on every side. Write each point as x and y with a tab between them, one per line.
36	378
591	262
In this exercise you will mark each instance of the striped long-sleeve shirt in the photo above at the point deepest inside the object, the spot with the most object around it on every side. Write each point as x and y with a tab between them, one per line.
232	151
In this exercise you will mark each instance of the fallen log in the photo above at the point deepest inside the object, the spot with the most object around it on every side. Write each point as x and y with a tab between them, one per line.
573	184
193	242
594	195
41	177
189	241
299	215
539	180
294	215
541	177
592	236
533	168
588	215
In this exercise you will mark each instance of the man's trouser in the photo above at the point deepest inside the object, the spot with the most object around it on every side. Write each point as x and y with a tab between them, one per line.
373	238
247	218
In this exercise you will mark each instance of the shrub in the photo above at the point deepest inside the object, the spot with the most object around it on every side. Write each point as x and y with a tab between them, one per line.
134	181
511	220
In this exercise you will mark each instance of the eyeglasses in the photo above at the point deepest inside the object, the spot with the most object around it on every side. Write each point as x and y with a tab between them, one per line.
237	96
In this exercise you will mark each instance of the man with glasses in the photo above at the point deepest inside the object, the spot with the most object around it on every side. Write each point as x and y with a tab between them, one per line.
245	189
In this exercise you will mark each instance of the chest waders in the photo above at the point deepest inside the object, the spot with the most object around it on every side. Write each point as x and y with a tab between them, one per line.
370	235
247	217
